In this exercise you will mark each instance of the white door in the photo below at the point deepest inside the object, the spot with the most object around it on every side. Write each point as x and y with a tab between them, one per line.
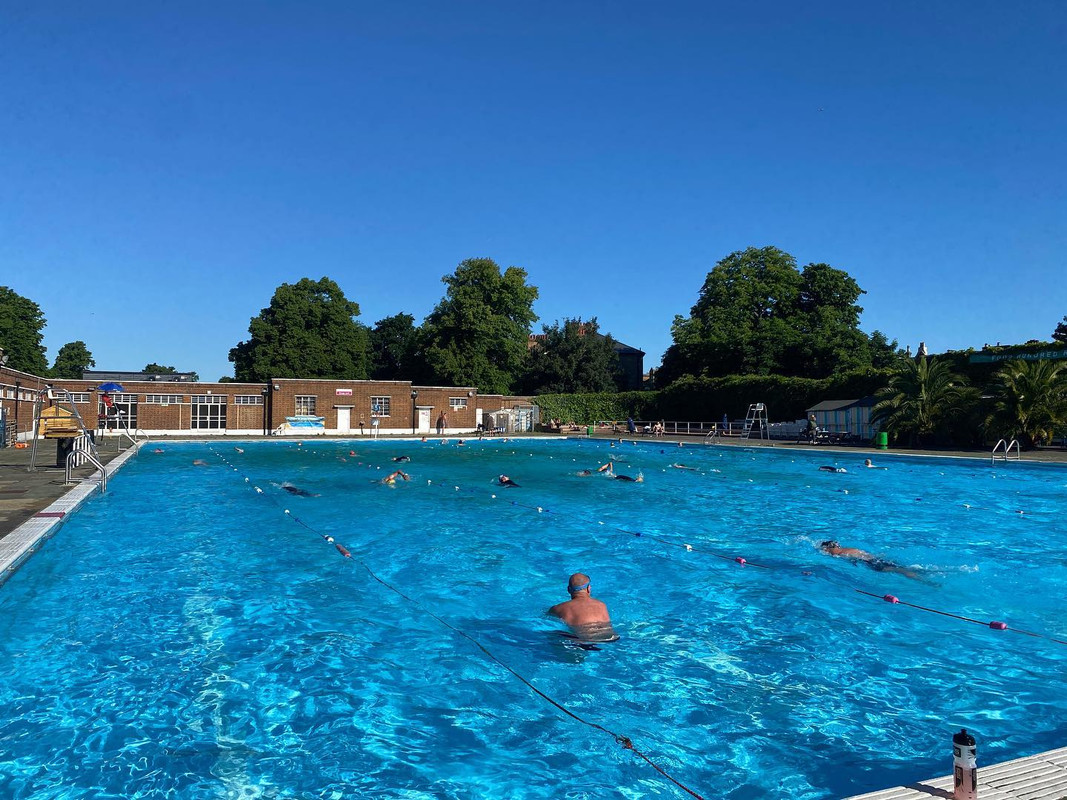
344	420
424	420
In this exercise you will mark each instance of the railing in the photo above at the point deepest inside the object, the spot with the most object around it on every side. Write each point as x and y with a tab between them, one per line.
1006	454
85	456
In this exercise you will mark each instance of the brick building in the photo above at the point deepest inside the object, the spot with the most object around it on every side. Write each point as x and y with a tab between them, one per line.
166	407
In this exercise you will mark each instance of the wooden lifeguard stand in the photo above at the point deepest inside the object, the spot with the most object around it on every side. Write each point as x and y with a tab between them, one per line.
59	420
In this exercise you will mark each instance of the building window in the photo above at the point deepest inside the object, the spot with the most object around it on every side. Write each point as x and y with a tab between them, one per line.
208	411
457	402
163	399
305	404
122	413
79	397
248	400
379	406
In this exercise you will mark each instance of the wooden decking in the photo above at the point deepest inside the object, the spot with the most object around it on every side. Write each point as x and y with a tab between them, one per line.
1040	777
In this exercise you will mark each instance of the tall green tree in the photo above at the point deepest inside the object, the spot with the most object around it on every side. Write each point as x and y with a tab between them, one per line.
572	358
21	332
478	334
309	330
1060	334
921	399
1029	401
72	360
394	349
758	314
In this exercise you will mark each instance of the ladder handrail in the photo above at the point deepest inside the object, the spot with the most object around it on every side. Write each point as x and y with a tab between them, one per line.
1007	450
51	392
92	459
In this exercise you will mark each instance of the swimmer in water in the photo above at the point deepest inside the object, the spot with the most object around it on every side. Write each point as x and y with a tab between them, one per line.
683	466
639	479
832	469
870	465
608	468
857	556
401	459
504	480
200	463
238	449
390	480
586	617
297	490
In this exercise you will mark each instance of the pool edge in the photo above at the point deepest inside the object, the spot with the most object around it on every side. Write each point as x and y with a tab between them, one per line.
17	546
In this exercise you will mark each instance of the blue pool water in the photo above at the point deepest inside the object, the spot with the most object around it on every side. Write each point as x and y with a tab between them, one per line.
183	637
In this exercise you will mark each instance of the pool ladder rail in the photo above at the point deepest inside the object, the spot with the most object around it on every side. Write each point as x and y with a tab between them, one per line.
1005	447
75	458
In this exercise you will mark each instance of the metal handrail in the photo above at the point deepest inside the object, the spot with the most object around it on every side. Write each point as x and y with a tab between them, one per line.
69	473
1007	451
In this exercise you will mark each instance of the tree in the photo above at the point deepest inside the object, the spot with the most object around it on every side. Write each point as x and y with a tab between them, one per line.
478	334
394	349
572	358
21	326
72	360
757	314
309	330
1030	401
922	396
1060	334
884	353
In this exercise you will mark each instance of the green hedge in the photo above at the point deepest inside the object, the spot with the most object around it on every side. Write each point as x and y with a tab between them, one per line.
707	399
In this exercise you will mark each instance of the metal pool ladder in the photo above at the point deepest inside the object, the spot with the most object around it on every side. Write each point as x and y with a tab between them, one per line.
80	456
1004	448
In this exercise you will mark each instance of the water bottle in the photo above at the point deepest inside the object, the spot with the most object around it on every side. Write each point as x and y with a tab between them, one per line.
964	767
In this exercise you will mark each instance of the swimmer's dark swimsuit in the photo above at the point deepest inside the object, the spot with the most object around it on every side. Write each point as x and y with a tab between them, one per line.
625	478
295	490
509	482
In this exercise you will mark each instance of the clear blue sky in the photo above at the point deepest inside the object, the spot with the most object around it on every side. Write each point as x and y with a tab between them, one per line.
163	167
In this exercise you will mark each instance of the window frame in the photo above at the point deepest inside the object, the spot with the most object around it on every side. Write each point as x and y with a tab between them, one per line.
308	410
384	408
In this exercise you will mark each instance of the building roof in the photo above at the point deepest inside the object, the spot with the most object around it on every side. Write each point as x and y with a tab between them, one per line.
840	405
107	375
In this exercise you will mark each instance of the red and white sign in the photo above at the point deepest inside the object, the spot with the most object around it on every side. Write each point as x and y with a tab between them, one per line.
344	392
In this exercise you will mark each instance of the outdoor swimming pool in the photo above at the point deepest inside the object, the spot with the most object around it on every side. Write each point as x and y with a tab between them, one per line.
182	636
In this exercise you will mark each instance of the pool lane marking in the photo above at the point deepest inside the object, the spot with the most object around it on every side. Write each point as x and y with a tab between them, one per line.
994	625
623	741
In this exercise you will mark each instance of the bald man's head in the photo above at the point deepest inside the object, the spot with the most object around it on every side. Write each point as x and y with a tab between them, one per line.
578	583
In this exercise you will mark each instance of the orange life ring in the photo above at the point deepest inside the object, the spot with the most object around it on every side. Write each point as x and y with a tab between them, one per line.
20	445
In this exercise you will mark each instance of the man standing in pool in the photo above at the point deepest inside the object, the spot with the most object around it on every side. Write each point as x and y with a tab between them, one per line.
588	618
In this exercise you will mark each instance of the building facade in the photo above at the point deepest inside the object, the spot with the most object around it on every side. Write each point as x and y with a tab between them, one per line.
170	407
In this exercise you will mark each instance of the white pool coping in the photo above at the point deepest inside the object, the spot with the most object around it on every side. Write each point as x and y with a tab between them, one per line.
28	537
1040	777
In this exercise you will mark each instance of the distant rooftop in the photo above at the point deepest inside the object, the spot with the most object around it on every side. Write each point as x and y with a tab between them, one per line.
162	377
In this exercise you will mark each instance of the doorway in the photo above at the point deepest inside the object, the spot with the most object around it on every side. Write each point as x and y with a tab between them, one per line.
344	419
424	419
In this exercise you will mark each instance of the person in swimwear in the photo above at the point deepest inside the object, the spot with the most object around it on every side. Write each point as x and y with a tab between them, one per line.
401	459
832	469
586	616
390	480
608	468
504	480
639	479
683	466
297	490
857	556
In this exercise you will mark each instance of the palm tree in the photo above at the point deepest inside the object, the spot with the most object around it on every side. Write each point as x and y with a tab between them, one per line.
920	398
1030	401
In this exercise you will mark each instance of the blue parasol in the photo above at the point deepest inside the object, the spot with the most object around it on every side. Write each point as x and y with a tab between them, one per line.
110	387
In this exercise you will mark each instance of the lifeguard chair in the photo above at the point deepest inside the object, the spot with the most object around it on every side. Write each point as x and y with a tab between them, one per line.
61	421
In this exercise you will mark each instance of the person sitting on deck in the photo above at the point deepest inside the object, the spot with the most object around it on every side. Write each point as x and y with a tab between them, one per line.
587	617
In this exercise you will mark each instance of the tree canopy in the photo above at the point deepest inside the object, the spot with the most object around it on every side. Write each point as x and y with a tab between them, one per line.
72	360
309	330
21	327
478	334
1029	401
572	357
394	349
1060	334
758	314
921	398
